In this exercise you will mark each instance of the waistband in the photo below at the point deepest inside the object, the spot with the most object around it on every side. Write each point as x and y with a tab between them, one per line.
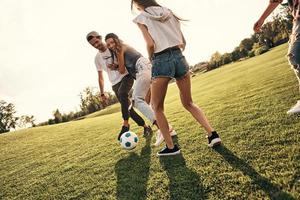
167	50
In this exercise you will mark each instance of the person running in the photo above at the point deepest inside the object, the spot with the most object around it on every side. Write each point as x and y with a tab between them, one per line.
139	67
165	42
121	83
294	43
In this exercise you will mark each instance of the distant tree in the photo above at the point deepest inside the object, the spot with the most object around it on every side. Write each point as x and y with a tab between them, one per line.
226	58
89	101
215	60
8	119
65	118
235	54
51	121
246	44
25	119
57	116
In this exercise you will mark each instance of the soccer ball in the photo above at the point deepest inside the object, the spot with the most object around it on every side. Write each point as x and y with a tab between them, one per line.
129	140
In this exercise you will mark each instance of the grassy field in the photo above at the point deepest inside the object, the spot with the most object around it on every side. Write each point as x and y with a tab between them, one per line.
246	102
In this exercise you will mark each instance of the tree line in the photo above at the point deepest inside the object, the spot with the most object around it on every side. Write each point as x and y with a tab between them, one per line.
273	33
89	103
9	120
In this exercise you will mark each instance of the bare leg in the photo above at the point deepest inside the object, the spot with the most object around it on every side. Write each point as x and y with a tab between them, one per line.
184	86
158	90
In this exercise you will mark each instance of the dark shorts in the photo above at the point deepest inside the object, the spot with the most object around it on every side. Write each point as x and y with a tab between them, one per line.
170	63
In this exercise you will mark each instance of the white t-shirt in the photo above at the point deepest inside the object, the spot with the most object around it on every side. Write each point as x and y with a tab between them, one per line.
163	27
102	59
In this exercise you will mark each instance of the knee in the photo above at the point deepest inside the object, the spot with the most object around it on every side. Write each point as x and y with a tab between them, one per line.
188	105
157	107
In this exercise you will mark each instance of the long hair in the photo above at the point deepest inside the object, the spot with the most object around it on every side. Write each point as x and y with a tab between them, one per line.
116	39
291	3
144	3
149	3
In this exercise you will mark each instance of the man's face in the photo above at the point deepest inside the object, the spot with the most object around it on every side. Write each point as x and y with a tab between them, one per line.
97	42
111	44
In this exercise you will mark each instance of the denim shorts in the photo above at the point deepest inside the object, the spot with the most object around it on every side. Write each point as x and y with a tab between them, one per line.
170	63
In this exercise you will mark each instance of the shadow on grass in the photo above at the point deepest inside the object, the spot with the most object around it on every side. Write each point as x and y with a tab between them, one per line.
184	182
272	190
133	174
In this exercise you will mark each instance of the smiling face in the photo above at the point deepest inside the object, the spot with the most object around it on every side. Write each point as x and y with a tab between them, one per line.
111	44
96	42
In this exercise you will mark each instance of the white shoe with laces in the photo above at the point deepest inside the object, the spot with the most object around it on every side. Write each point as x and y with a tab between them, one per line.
295	108
160	138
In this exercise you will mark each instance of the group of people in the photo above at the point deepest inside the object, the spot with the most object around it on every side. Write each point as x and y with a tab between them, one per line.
165	42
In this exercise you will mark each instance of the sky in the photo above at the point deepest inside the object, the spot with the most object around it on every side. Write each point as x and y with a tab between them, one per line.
45	60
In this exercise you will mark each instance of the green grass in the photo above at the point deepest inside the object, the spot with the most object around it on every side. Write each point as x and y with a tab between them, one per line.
245	101
107	111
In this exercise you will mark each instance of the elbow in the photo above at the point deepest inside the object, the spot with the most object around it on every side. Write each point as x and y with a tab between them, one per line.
151	46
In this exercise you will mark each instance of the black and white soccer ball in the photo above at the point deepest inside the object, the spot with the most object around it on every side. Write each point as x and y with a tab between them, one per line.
129	140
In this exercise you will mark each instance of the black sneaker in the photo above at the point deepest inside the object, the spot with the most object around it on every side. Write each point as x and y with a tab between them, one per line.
147	131
123	130
169	152
214	139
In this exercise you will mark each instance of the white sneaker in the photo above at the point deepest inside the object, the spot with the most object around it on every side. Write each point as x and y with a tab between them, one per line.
295	108
160	138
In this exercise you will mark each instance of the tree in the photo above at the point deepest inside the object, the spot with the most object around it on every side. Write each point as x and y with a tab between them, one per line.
235	54
246	44
226	58
7	116
215	60
25	119
89	101
57	116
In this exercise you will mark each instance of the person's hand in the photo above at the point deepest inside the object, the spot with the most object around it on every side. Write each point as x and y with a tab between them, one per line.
103	98
257	26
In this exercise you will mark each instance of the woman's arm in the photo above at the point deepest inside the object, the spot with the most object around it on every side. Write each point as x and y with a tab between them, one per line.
271	7
121	62
148	39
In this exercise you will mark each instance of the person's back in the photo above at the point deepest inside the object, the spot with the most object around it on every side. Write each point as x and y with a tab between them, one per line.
131	57
162	25
165	42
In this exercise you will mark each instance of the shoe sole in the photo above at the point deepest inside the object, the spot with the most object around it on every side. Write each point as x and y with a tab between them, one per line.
169	154
215	142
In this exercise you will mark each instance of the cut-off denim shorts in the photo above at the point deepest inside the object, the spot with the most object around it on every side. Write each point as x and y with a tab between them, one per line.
169	63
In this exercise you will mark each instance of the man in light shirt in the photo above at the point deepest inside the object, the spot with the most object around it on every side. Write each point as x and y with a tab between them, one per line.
121	83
